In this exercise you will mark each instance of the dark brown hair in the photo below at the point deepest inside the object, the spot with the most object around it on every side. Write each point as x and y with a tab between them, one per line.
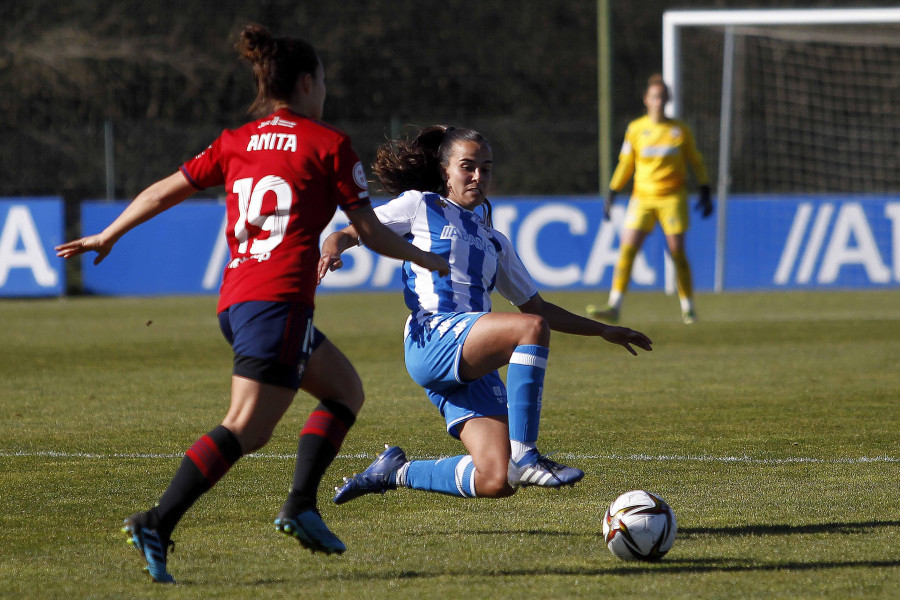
420	164
277	63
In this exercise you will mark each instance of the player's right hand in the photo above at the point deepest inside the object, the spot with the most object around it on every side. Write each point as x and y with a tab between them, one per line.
607	204
94	243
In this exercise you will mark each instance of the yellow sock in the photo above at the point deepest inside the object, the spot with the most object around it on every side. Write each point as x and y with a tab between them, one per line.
683	280
622	274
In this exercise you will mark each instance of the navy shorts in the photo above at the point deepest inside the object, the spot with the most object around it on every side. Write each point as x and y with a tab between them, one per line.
272	341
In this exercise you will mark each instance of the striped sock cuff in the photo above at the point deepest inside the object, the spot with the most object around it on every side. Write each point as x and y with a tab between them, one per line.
530	355
465	477
325	424
212	457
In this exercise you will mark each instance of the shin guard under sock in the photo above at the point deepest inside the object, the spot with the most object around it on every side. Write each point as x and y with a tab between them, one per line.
525	388
202	466
454	476
320	441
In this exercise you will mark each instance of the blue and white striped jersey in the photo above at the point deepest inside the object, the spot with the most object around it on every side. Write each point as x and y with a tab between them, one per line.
480	257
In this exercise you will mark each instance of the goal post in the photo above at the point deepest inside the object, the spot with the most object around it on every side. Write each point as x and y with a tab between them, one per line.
797	100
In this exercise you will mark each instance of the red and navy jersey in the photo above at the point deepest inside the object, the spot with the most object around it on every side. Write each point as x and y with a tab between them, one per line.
285	175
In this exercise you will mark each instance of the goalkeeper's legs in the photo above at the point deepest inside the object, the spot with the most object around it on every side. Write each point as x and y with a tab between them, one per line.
683	280
632	240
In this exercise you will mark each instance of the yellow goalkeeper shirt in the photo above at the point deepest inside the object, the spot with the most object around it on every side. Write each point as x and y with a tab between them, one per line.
658	154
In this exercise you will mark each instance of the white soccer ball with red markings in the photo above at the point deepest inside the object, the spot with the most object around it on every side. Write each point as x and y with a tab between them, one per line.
639	525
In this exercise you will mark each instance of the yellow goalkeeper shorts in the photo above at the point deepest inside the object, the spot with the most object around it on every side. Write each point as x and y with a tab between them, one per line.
671	212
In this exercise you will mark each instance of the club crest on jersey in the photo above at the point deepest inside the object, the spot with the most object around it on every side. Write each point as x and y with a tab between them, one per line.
273	141
359	175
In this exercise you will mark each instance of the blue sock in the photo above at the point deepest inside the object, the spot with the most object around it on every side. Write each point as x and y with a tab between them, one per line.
454	476
525	386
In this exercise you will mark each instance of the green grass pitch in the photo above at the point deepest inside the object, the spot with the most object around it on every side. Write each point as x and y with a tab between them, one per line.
772	427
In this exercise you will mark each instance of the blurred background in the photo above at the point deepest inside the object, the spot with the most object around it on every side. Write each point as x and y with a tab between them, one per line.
100	98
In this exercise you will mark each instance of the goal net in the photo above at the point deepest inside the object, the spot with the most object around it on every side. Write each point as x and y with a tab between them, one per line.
813	96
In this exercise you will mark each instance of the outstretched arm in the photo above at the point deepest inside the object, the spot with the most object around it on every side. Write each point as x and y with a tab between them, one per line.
160	196
564	321
366	226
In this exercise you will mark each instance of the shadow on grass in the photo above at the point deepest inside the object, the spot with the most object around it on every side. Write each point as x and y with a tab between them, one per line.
669	566
692	532
762	530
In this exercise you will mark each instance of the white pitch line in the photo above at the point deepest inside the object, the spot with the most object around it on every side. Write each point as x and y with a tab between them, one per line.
611	457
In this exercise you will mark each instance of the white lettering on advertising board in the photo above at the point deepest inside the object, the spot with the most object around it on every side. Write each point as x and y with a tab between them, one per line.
20	229
848	241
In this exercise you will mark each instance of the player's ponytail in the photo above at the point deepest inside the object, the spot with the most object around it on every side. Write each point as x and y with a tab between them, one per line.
276	64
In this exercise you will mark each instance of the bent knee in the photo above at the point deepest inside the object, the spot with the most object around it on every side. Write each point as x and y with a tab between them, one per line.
495	486
253	442
535	330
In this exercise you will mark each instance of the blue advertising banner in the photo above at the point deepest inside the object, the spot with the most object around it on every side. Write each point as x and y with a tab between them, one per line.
806	242
29	229
181	251
772	242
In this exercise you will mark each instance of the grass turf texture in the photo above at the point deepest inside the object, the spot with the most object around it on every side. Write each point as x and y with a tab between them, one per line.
771	427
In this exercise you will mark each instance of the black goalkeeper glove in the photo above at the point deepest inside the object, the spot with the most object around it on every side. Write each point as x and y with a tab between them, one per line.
704	202
607	204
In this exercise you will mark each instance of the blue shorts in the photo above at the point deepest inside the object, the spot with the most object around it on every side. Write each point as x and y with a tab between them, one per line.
272	341
484	397
433	348
433	351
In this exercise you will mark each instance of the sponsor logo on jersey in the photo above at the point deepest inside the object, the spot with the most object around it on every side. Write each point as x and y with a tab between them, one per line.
273	141
262	257
278	121
450	232
659	151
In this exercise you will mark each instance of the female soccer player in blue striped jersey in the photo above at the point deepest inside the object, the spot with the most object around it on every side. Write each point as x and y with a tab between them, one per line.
453	343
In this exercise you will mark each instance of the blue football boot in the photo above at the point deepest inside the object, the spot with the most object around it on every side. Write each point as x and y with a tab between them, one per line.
308	528
380	476
153	547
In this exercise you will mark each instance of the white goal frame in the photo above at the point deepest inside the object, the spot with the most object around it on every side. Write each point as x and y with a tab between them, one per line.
674	21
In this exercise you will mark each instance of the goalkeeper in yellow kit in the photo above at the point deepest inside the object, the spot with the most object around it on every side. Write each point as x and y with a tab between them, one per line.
656	150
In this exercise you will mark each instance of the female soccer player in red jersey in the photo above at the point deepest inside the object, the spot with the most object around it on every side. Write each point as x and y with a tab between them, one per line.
285	175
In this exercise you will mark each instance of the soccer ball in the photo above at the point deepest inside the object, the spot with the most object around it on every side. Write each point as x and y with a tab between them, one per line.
639	525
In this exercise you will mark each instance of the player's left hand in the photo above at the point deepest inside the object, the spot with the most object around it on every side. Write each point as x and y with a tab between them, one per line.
328	262
625	337
704	202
